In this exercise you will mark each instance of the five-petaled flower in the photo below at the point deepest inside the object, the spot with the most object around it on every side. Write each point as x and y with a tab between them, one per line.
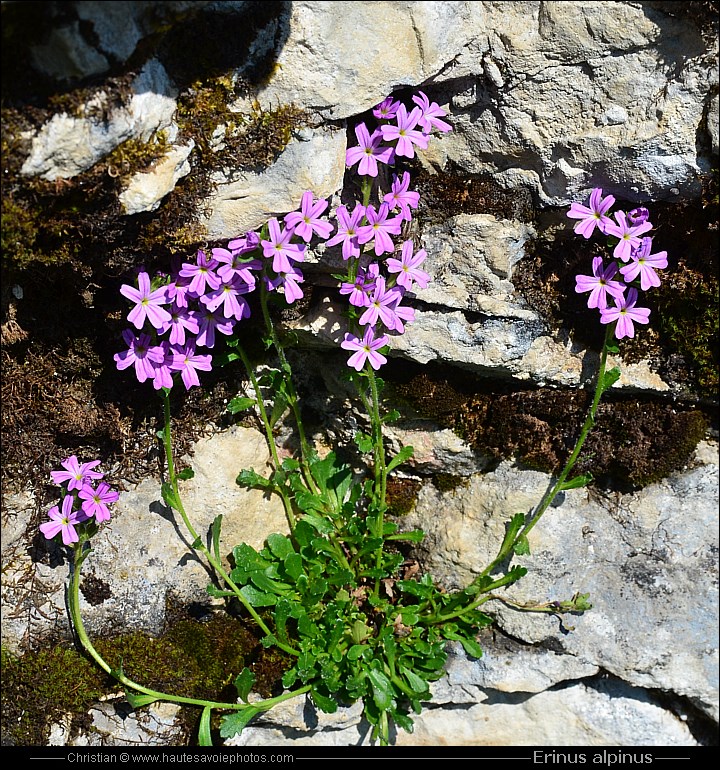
281	248
592	216
148	302
405	133
644	264
64	522
625	312
75	473
368	152
628	235
600	284
95	501
407	267
366	349
307	221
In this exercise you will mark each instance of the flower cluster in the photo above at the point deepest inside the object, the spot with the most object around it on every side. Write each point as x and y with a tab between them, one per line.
377	290
632	260
176	316
82	502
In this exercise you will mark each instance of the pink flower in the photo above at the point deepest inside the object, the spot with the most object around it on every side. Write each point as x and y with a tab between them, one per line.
625	313
348	231
140	353
229	295
405	133
96	501
64	522
148	303
187	361
281	249
202	274
402	198
644	264
599	284
365	349
592	216
381	306
368	152
407	267
209	321
180	320
629	235
430	114
364	283
387	109
289	282
306	222
380	228
75	473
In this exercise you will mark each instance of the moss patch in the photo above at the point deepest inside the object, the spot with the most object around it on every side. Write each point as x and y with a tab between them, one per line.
196	659
635	441
402	495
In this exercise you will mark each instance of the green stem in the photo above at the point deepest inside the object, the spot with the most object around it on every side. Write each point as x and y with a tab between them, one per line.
74	606
197	543
551	494
287	504
305	452
380	467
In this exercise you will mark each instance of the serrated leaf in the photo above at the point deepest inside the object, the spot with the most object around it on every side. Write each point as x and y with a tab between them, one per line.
138	701
244	682
402	456
168	496
578	481
414	536
382	689
364	442
404	721
522	547
235	723
249	478
186	473
328	705
204	736
240	404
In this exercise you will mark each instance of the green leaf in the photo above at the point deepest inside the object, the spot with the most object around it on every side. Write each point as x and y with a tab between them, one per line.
610	378
234	724
472	648
364	442
514	526
578	481
328	705
522	547
258	598
404	454
283	611
382	689
216	593
215	535
249	478
392	416
280	545
168	496
322	525
186	473
244	682
414	536
138	701
240	404
417	684
356	651
293	565
204	737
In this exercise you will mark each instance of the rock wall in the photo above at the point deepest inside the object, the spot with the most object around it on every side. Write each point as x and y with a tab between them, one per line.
547	101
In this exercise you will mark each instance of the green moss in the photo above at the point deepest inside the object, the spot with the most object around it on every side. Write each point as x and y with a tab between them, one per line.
402	495
197	659
447	482
41	687
135	155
